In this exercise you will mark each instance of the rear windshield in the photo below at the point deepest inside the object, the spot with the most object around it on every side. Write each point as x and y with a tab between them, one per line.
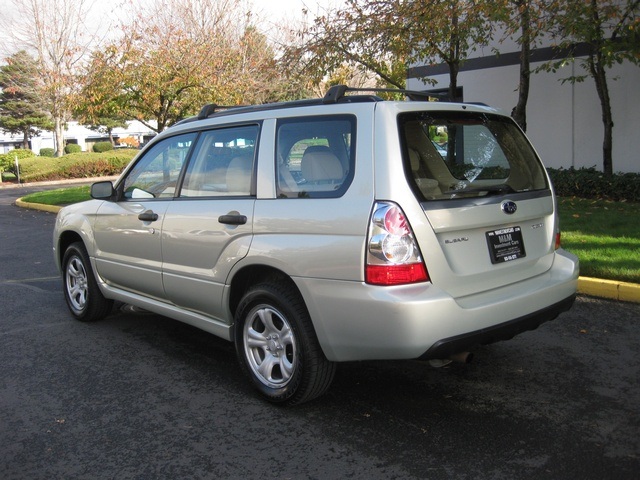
451	155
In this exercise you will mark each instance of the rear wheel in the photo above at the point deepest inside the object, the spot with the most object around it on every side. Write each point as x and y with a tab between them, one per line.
277	346
84	298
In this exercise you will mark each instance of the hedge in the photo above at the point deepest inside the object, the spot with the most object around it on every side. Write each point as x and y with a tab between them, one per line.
47	152
75	165
591	183
72	148
102	147
8	160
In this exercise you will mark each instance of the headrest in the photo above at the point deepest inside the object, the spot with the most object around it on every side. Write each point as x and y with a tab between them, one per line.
239	174
320	164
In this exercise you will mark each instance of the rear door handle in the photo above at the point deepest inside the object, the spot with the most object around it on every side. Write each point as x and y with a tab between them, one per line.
232	219
148	216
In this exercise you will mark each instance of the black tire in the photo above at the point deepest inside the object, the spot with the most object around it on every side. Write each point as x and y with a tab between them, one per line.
277	346
81	292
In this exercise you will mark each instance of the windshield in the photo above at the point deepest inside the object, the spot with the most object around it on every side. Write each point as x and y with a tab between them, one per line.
451	155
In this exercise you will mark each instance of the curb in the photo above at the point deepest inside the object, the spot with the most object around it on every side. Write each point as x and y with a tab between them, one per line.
595	287
64	181
623	291
38	206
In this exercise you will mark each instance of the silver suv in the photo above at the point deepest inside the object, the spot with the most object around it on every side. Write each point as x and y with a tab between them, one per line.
327	230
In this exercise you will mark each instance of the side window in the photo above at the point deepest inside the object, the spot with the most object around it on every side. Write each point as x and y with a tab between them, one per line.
315	156
222	164
156	174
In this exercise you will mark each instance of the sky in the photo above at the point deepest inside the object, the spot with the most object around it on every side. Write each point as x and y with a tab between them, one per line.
282	9
271	12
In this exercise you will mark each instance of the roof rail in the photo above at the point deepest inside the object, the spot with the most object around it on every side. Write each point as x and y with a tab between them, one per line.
337	92
212	108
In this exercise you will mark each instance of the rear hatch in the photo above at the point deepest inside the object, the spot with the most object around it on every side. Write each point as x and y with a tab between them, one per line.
486	196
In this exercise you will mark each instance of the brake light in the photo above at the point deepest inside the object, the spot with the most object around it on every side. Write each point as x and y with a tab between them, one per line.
393	257
557	240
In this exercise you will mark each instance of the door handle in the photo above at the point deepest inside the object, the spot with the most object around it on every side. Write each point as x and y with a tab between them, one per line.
232	219
148	216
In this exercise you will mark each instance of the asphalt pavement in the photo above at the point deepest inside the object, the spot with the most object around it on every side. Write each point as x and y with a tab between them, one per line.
139	396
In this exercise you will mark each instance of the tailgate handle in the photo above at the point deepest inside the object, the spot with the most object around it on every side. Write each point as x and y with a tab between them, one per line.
232	219
148	216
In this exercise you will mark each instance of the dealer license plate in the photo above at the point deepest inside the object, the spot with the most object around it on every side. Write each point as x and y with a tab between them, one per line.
505	244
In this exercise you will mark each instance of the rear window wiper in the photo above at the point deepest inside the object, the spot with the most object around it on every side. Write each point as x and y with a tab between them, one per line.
489	189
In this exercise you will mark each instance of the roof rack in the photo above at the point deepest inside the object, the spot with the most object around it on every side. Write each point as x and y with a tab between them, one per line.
335	94
211	108
338	92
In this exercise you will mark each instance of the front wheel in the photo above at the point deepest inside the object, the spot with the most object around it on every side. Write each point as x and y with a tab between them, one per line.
84	298
277	346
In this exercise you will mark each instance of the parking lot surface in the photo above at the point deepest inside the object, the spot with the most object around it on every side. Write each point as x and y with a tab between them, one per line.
142	396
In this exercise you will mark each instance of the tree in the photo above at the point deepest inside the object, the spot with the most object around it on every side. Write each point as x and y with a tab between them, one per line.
446	31
98	110
20	109
526	21
385	36
608	32
54	31
255	68
359	38
174	58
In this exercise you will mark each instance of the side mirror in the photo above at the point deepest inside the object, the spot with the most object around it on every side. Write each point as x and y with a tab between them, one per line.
102	190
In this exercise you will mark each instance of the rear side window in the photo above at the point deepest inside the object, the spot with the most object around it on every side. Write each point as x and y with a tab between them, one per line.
451	155
315	156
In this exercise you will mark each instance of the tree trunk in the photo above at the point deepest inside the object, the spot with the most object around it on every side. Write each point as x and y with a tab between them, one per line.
519	113
454	67
600	76
59	136
25	138
454	59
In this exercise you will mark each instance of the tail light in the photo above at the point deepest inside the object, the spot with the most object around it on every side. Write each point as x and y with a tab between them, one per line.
557	246
393	257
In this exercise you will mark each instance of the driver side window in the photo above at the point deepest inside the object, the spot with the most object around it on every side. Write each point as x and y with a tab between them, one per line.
156	174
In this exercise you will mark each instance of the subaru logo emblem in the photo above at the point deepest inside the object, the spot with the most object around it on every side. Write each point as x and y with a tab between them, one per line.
509	207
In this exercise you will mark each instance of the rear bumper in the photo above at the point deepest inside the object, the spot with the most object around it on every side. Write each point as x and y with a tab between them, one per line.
504	331
356	321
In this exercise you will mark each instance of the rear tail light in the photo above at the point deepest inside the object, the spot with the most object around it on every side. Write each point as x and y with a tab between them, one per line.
558	239
393	257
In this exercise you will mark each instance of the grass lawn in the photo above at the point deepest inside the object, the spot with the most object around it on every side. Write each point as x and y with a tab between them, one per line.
604	235
60	196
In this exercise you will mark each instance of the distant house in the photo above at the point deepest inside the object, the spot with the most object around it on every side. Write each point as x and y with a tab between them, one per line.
564	121
76	133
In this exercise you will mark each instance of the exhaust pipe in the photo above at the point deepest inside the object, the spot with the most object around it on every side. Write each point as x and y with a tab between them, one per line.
462	357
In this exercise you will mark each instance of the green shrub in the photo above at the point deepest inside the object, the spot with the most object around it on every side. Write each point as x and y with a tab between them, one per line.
47	152
37	169
8	160
72	148
100	147
591	183
95	168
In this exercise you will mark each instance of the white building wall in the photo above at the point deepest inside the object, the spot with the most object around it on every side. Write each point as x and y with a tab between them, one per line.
76	133
564	121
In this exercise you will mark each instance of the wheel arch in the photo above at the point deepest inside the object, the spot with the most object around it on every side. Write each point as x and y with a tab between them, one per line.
251	275
65	239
